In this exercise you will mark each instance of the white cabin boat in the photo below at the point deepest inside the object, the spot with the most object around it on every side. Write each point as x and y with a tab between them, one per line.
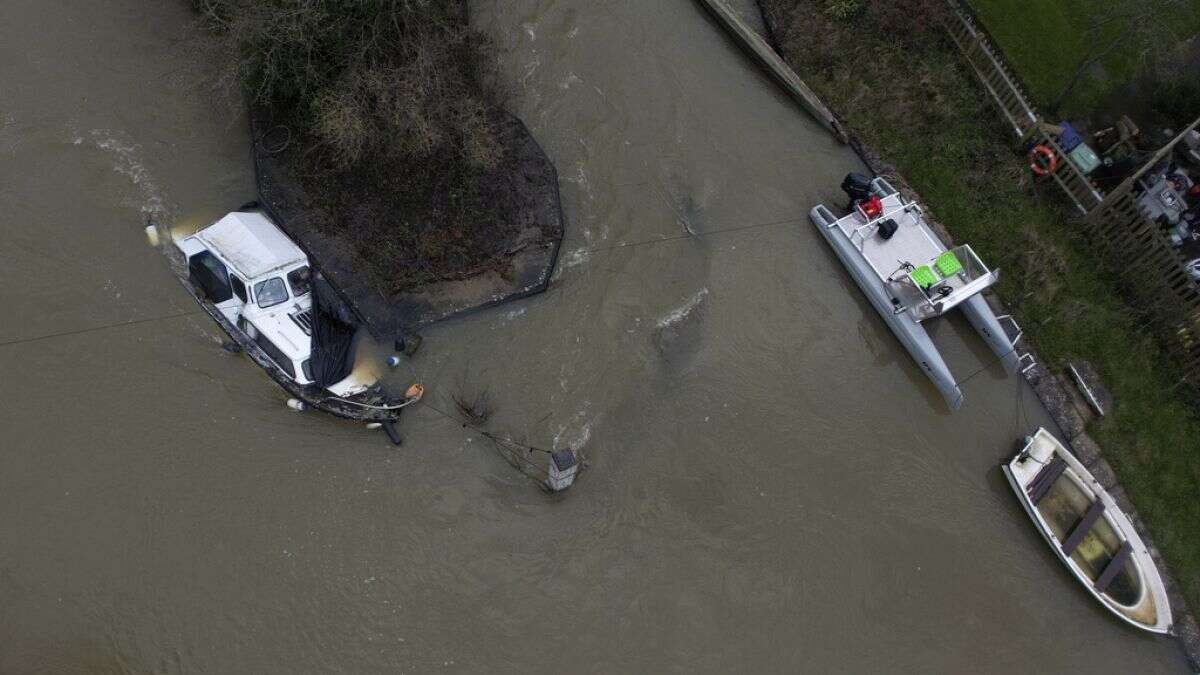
256	283
1089	532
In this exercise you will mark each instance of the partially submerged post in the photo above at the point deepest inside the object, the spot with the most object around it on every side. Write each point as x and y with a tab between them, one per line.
560	471
564	465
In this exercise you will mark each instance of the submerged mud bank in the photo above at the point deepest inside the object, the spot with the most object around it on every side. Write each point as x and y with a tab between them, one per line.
519	261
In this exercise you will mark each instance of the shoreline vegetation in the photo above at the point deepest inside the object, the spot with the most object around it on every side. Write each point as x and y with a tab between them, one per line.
946	140
1102	58
380	128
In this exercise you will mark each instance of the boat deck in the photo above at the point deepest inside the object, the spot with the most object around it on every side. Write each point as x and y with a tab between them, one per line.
912	242
920	272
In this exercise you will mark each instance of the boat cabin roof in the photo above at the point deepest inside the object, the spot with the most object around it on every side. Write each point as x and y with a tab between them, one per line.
251	244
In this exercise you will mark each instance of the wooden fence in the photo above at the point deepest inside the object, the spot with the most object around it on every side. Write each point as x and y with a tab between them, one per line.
1154	271
1002	84
1156	283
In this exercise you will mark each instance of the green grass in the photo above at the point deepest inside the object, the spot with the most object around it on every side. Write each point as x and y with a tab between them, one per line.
945	139
1045	40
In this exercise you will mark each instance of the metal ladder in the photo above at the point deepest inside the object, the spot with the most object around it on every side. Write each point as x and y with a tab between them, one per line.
1026	360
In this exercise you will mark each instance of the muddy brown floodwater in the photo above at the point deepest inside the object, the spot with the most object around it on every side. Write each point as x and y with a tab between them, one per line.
773	485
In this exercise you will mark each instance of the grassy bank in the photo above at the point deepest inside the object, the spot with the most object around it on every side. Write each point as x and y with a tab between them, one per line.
1049	40
898	81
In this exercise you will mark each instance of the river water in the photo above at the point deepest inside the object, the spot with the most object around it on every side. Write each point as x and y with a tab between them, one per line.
773	485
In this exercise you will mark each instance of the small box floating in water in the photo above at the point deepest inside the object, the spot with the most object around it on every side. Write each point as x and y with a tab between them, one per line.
563	467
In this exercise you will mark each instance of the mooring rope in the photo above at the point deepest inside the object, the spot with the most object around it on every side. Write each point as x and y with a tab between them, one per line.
412	372
498	440
985	366
93	329
689	235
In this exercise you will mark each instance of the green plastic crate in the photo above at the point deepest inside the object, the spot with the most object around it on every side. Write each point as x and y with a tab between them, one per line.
923	276
947	264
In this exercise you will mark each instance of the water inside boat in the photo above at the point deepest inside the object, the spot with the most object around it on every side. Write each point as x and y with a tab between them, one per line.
1063	507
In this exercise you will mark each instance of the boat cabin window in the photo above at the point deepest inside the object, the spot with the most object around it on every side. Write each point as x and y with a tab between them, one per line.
270	292
277	356
300	281
239	288
210	276
306	368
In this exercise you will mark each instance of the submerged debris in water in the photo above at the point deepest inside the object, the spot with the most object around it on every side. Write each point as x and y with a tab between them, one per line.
554	470
475	409
678	315
678	329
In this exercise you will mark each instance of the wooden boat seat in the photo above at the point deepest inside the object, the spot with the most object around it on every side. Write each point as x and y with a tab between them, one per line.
1083	527
1040	486
1113	568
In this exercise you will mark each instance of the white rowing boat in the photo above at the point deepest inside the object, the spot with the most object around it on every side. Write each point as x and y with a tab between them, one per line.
1089	532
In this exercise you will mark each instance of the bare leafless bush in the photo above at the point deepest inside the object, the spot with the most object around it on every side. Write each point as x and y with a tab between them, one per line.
475	408
361	79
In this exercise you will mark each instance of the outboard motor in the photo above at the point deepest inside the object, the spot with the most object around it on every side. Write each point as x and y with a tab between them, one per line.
857	187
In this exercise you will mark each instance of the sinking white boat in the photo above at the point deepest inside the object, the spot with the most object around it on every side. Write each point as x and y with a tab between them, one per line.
1088	532
256	283
910	276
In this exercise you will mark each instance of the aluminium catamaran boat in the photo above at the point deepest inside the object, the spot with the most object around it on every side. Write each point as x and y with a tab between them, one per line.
1089	532
910	276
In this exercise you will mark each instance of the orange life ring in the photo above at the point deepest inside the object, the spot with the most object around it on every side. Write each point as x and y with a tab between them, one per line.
1042	160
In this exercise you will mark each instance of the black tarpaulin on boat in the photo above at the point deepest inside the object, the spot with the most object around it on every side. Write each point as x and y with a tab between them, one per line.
333	332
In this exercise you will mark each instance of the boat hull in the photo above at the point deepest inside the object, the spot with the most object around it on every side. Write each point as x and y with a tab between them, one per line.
909	331
988	326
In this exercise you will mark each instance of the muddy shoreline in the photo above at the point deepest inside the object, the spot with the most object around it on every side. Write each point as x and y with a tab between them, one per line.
528	249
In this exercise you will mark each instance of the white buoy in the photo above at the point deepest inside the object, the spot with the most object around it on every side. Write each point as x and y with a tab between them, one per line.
297	405
393	361
374	425
152	235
